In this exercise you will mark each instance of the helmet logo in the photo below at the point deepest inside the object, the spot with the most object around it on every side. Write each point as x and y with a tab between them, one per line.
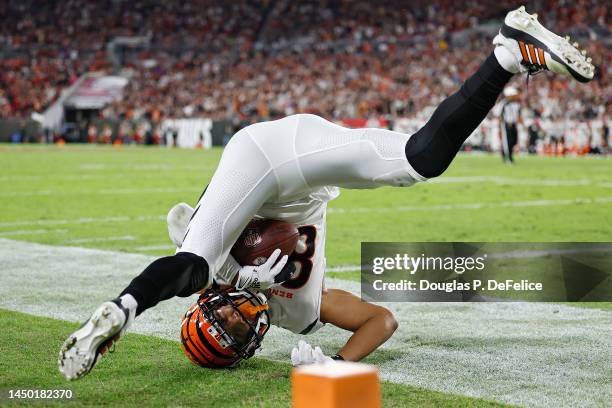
252	237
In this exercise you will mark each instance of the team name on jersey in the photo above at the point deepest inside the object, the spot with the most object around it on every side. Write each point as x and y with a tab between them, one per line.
281	293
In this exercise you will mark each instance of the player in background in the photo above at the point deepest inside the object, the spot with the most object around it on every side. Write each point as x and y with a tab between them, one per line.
291	160
510	118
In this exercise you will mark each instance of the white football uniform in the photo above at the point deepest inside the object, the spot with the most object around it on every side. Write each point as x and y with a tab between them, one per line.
282	169
296	304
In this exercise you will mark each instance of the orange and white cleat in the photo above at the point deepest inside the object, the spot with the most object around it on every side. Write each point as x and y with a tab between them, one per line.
537	48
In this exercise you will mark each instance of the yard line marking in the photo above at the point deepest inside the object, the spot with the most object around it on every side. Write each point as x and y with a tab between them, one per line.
511	180
33	232
100	239
102	191
541	253
508	352
440	180
55	177
83	220
26	193
343	268
146	167
160	247
145	190
340	210
473	206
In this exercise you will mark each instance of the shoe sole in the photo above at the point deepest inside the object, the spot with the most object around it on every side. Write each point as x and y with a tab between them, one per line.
559	48
80	351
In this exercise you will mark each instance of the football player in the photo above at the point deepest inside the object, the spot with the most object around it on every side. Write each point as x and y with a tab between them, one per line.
287	165
300	304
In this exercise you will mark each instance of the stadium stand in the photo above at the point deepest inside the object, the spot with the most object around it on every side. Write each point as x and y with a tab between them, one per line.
249	60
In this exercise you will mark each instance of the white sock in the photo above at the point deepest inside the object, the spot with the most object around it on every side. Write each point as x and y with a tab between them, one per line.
129	302
507	60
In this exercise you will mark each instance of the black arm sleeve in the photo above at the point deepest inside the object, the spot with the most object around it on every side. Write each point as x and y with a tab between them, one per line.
182	275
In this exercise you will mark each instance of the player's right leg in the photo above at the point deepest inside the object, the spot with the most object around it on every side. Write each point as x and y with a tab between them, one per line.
523	45
329	154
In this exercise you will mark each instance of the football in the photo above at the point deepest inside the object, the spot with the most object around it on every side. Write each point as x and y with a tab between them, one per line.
261	237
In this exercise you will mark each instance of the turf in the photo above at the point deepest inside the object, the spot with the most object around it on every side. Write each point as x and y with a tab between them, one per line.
146	371
139	185
117	198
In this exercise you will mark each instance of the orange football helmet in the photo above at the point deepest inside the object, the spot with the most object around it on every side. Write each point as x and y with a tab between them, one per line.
205	340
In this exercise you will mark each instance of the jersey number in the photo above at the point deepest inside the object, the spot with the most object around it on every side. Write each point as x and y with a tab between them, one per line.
302	260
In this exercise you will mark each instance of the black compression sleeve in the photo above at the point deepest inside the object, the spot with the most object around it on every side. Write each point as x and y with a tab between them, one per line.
182	275
431	150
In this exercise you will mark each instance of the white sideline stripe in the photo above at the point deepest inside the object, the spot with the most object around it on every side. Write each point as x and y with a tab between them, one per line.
100	239
535	354
340	210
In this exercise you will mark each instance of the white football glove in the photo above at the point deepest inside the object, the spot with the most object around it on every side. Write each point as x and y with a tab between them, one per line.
262	276
178	219
305	354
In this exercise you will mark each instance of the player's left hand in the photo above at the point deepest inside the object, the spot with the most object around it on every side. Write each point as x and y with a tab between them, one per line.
304	354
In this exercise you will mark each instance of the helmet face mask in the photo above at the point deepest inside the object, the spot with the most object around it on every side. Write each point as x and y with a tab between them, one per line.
207	341
247	305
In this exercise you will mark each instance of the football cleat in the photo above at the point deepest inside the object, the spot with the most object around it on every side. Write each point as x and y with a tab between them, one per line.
539	49
82	350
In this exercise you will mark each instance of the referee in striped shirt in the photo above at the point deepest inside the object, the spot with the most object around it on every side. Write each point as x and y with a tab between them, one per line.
510	117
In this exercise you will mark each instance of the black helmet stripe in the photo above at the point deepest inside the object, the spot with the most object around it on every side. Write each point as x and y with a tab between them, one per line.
197	359
188	341
196	348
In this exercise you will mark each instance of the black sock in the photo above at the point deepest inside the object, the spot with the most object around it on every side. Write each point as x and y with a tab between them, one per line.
431	150
182	275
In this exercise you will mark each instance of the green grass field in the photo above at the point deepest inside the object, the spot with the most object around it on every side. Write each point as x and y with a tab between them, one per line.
117	199
150	372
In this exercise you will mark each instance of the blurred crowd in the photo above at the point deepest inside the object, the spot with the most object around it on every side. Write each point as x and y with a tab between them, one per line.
252	60
293	23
